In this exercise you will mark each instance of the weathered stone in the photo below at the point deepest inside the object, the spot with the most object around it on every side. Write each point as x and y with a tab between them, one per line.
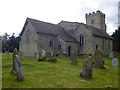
111	55
48	54
43	53
87	68
21	55
17	68
73	58
114	53
15	52
99	63
114	62
37	55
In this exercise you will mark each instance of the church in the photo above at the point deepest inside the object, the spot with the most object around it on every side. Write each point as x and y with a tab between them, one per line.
66	37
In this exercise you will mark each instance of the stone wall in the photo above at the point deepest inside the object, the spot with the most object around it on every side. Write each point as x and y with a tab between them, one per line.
87	40
28	44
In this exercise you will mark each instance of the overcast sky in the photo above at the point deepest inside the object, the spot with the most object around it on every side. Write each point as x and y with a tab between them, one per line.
13	13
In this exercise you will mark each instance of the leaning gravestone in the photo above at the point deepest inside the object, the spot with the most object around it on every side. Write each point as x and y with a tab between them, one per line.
99	63
17	68
73	58
15	52
87	68
114	62
111	55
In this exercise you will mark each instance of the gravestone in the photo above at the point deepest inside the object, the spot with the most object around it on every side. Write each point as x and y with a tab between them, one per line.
17	68
114	62
114	53
15	52
99	63
87	68
48	54
111	55
73	58
43	53
21	55
37	55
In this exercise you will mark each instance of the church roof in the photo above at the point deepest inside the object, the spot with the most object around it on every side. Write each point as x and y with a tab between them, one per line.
49	28
96	31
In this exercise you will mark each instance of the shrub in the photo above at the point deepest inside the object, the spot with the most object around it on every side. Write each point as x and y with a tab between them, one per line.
42	59
52	59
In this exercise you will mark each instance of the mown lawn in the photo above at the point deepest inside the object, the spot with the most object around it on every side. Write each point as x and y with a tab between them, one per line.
57	75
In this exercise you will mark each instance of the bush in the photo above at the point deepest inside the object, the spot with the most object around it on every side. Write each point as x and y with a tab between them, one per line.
52	59
42	59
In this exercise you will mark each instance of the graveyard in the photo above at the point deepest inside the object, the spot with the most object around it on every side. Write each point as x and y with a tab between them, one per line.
60	74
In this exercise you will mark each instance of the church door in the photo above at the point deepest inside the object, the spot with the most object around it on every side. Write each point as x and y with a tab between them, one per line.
69	51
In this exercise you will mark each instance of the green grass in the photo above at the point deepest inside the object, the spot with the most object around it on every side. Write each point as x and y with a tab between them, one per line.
61	74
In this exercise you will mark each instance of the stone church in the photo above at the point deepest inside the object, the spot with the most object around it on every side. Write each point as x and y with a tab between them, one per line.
65	38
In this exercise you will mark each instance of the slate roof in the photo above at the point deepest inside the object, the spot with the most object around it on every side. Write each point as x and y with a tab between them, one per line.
48	28
96	31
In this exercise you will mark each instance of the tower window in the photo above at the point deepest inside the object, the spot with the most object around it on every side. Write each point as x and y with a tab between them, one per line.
92	21
81	40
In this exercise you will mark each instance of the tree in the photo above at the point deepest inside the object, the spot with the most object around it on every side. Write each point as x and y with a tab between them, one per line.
10	42
116	41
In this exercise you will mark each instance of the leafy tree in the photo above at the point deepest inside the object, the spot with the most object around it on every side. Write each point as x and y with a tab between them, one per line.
10	42
116	41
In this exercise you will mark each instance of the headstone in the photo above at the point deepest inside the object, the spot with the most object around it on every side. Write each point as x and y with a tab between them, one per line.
114	62
37	55
73	58
15	52
43	54
48	54
87	68
114	53
17	68
21	55
111	55
99	63
52	53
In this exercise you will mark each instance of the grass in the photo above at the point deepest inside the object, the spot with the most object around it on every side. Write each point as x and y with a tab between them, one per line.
61	74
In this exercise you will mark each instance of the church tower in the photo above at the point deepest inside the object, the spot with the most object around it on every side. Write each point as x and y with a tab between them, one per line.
96	19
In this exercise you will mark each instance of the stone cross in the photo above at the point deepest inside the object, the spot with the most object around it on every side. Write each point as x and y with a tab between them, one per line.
99	63
114	62
87	68
73	58
17	68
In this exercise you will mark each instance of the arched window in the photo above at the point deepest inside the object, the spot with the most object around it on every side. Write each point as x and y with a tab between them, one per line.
59	46
51	43
81	40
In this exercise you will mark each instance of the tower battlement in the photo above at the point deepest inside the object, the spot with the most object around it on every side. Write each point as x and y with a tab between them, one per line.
96	19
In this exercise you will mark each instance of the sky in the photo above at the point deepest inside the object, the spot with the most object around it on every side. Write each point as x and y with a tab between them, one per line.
13	13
